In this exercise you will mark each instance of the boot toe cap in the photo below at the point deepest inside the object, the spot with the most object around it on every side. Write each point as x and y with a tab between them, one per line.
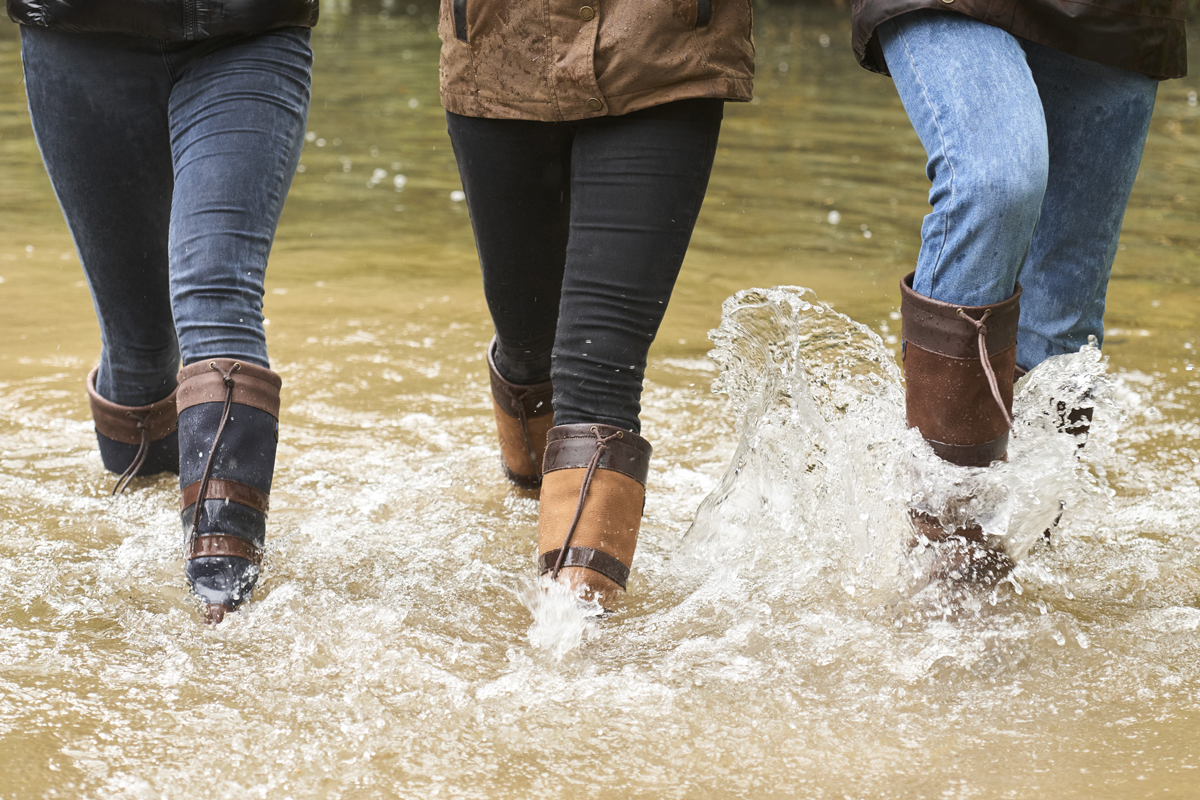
222	580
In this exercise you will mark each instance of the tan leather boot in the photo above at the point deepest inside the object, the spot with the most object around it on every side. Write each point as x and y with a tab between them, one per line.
959	366
593	492
524	413
135	440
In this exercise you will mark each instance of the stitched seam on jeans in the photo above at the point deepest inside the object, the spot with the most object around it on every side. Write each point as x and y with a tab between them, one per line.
942	136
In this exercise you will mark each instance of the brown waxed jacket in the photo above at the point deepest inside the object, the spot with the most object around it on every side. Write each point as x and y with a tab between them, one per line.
1145	36
554	60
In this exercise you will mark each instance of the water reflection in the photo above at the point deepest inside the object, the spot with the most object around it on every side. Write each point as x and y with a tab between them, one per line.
777	650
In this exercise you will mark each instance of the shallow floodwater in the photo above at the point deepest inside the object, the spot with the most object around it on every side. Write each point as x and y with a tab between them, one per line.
779	638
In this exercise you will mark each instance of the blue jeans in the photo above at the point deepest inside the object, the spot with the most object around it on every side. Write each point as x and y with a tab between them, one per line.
171	162
1032	155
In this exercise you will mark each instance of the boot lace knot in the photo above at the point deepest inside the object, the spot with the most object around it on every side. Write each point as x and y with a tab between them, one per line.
984	359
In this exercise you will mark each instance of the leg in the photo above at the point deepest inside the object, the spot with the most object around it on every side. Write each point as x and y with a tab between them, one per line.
637	183
971	97
237	116
99	110
1096	118
514	173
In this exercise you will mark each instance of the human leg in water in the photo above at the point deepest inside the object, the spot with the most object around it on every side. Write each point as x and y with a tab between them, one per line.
971	97
98	107
1097	118
1036	193
520	213
610	207
637	184
237	116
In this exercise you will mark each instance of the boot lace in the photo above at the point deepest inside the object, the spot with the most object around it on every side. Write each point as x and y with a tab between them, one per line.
985	359
227	379
139	458
601	446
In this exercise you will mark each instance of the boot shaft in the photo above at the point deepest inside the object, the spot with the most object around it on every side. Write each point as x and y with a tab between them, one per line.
593	493
228	432
135	440
962	411
524	415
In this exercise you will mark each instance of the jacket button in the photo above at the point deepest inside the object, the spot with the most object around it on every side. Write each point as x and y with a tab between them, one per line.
594	104
586	13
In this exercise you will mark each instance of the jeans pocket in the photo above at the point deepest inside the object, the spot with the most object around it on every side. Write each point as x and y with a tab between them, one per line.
459	12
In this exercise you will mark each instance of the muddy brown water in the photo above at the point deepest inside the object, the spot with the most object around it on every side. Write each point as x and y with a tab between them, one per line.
777	640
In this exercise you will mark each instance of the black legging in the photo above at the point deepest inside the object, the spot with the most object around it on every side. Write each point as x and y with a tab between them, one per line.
581	229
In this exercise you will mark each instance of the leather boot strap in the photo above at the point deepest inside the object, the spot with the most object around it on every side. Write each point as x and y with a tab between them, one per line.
588	558
131	424
207	381
140	425
221	489
221	544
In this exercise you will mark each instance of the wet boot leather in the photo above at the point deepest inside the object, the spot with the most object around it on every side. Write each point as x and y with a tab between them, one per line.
593	493
135	440
959	368
228	431
524	414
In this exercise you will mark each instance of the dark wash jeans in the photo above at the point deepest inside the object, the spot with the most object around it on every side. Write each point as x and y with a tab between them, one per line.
581	229
171	161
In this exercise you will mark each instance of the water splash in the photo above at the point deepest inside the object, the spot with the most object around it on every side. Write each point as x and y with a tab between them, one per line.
826	469
561	620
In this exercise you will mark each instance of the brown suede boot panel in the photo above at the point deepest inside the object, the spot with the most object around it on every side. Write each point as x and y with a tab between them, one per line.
611	518
949	400
612	512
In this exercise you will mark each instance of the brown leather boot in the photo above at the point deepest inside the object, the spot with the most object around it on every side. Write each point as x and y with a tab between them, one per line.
523	416
593	492
959	366
135	440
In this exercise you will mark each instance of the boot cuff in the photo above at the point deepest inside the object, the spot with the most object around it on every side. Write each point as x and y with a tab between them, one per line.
121	423
204	382
573	446
537	398
939	327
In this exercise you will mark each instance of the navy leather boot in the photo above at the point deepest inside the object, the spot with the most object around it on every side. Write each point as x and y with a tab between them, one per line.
228	430
134	440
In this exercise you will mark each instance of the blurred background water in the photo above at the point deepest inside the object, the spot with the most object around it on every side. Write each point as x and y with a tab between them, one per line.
777	640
